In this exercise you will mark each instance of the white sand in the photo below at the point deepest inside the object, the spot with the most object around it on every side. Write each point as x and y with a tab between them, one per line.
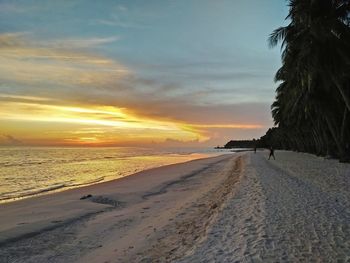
294	209
233	208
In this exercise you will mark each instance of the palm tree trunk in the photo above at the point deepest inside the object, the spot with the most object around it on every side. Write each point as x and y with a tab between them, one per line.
343	126
317	142
325	136
334	135
321	143
342	93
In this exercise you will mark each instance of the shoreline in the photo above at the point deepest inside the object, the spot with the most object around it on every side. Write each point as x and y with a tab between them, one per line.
32	216
61	187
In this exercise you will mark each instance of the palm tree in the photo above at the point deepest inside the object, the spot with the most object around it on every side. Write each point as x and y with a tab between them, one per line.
312	101
320	34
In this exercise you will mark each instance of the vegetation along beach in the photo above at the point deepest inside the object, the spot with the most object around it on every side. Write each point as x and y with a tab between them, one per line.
174	131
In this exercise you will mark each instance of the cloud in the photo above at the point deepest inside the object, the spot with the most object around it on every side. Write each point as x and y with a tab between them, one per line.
22	39
48	64
10	140
80	42
186	108
169	142
12	97
122	8
117	20
116	23
113	119
12	39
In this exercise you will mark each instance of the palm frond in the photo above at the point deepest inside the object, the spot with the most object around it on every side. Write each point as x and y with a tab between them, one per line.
277	35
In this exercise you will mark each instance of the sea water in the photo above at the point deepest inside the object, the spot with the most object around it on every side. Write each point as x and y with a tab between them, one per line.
28	171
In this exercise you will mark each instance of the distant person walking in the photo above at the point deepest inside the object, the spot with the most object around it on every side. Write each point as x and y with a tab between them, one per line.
272	153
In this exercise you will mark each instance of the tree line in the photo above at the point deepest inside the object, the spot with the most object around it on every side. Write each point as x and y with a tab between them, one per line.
312	104
240	144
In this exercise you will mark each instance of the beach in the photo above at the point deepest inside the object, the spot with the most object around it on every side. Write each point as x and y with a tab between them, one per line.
237	207
32	171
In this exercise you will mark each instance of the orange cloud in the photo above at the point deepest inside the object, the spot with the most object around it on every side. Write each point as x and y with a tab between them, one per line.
111	120
228	126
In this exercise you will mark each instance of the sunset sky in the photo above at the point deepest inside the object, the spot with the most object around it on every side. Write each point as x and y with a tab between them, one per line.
136	72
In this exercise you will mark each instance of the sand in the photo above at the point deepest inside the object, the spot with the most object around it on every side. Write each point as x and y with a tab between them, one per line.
294	209
231	208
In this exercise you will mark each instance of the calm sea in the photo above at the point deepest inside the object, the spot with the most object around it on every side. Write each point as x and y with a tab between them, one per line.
28	171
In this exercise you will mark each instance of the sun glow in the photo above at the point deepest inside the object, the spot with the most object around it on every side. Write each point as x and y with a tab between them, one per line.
50	123
115	124
115	117
95	125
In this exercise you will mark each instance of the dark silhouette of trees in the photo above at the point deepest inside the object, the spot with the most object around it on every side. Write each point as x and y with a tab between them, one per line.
311	109
241	144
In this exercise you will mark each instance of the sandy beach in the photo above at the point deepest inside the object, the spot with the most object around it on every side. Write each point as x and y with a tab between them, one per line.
230	208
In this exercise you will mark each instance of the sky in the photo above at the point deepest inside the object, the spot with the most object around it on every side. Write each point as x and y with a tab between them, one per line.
136	72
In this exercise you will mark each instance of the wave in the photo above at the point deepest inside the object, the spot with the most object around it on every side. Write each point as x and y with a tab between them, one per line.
20	194
31	193
73	160
94	181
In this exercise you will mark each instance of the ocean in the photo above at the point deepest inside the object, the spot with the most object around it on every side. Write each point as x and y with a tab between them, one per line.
29	171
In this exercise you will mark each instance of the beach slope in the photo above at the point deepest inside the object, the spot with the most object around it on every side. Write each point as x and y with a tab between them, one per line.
123	219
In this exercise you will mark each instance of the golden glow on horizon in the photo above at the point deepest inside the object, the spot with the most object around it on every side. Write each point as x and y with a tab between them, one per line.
99	124
228	126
